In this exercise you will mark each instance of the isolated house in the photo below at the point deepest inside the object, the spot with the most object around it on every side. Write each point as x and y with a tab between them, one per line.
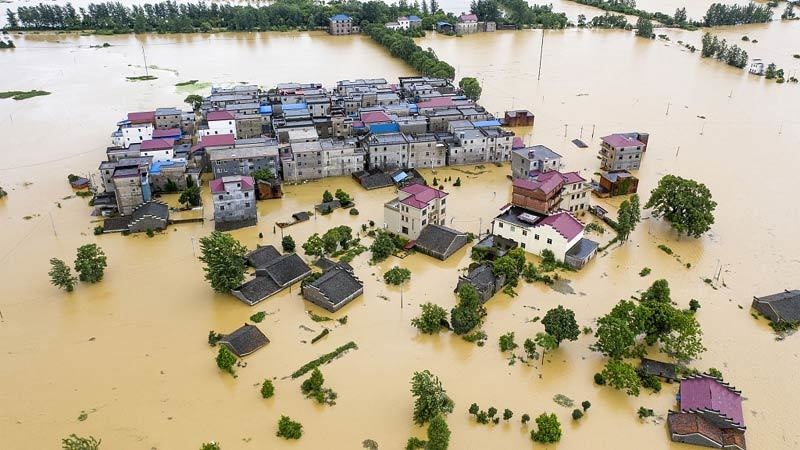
467	23
337	287
710	414
617	182
781	307
234	202
415	207
623	151
439	241
667	371
244	340
483	279
518	118
341	24
538	158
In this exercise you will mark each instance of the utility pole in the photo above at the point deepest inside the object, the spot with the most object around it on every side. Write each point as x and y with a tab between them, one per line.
144	55
50	213
593	127
667	113
702	128
677	151
581	136
565	131
541	50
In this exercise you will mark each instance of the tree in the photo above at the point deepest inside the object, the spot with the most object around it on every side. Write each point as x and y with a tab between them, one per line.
469	311
486	10
474	408
431	318
771	71
560	323
622	376
685	203
267	389
415	443
343	197
313	383
549	429
170	186
628	217
644	28
397	276
264	174
472	89
210	446
614	337
507	414
491	411
586	405
327	197
438	434
430	397
530	348
194	100
382	247
191	195
694	305
61	276
289	429
287	243
507	342
11	19
577	414
680	16
314	246
225	359
90	263
525	418
74	442
715	373
685	341
224	261
547	342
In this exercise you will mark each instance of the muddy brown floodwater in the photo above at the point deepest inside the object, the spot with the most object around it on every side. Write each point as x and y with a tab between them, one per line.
131	351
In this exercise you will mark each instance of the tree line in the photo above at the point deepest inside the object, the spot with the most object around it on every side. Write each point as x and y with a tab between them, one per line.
719	49
717	14
401	46
720	14
518	13
171	17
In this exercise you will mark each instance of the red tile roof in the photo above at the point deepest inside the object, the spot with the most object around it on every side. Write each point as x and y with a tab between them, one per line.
618	140
156	144
142	117
437	102
708	393
219	115
517	143
169	132
468	18
375	117
568	177
564	223
547	186
218	185
421	195
214	140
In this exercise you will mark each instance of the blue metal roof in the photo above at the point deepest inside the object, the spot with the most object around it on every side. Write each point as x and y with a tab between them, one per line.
340	17
380	128
414	19
155	166
486	123
265	109
291	106
399	177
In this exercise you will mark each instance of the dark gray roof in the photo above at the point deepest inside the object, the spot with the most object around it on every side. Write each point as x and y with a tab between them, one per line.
659	368
262	256
783	306
481	276
583	249
154	209
256	290
300	216
440	241
338	284
373	180
285	269
113	224
326	264
245	340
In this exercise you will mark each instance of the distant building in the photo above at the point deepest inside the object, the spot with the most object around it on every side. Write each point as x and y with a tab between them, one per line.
415	207
519	118
623	151
131	186
710	414
467	23
161	173
781	307
234	202
757	67
168	118
617	182
573	191
337	287
158	149
322	158
136	128
388	150
245	159
341	24
219	122
560	233
538	158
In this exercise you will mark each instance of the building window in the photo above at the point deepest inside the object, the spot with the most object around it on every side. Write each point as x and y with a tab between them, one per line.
522	245
246	194
500	225
513	228
404	230
524	232
247	205
220	197
549	241
536	236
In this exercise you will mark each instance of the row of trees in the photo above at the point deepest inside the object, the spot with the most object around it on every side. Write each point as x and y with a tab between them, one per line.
519	13
401	46
721	14
90	264
169	16
678	19
719	49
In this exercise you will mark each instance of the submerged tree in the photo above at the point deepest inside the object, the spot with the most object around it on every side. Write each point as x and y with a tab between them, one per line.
226	359
628	217
472	89
430	397
438	434
469	311
622	376
685	203
431	319
560	323
74	442
90	263
289	429
224	261
548	429
644	28
61	276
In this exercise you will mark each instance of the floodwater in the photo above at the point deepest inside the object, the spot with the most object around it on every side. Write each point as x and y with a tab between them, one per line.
131	351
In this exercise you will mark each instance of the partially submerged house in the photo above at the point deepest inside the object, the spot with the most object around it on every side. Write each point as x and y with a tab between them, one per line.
484	280
415	207
274	273
623	151
617	182
244	340
780	307
337	287
518	118
710	414
151	215
439	241
667	371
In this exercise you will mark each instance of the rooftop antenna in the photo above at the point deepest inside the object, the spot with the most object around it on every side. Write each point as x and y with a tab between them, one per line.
144	55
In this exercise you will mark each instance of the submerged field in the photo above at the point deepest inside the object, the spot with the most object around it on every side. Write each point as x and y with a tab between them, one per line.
131	351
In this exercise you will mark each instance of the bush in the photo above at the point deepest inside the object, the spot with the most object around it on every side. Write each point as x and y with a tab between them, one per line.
525	418
73	442
586	405
150	233
258	317
98	230
458	182
491	411
226	360
644	413
715	373
694	305
210	446
474	408
599	379
267	389
549	429
507	414
289	429
353	212
288	244
507	342
415	444
577	414
644	272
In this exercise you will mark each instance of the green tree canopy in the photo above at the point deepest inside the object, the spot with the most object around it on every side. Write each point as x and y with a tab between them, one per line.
225	359
628	217
560	323
397	276
472	89
224	261
430	397
61	276
644	28
438	434
314	246
548	429
194	100
382	247
287	243
622	376
431	319
469	311
685	203
90	263
289	429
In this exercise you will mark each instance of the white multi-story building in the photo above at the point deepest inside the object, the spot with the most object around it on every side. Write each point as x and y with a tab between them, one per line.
526	161
158	149
623	151
415	207
219	122
536	232
136	128
322	158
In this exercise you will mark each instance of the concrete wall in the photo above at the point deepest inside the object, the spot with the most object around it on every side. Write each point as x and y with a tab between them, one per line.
535	240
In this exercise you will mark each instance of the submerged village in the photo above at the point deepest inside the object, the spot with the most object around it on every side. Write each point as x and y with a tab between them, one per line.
398	259
245	144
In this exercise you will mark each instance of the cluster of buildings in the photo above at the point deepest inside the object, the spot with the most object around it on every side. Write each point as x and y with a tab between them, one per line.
405	23
467	24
